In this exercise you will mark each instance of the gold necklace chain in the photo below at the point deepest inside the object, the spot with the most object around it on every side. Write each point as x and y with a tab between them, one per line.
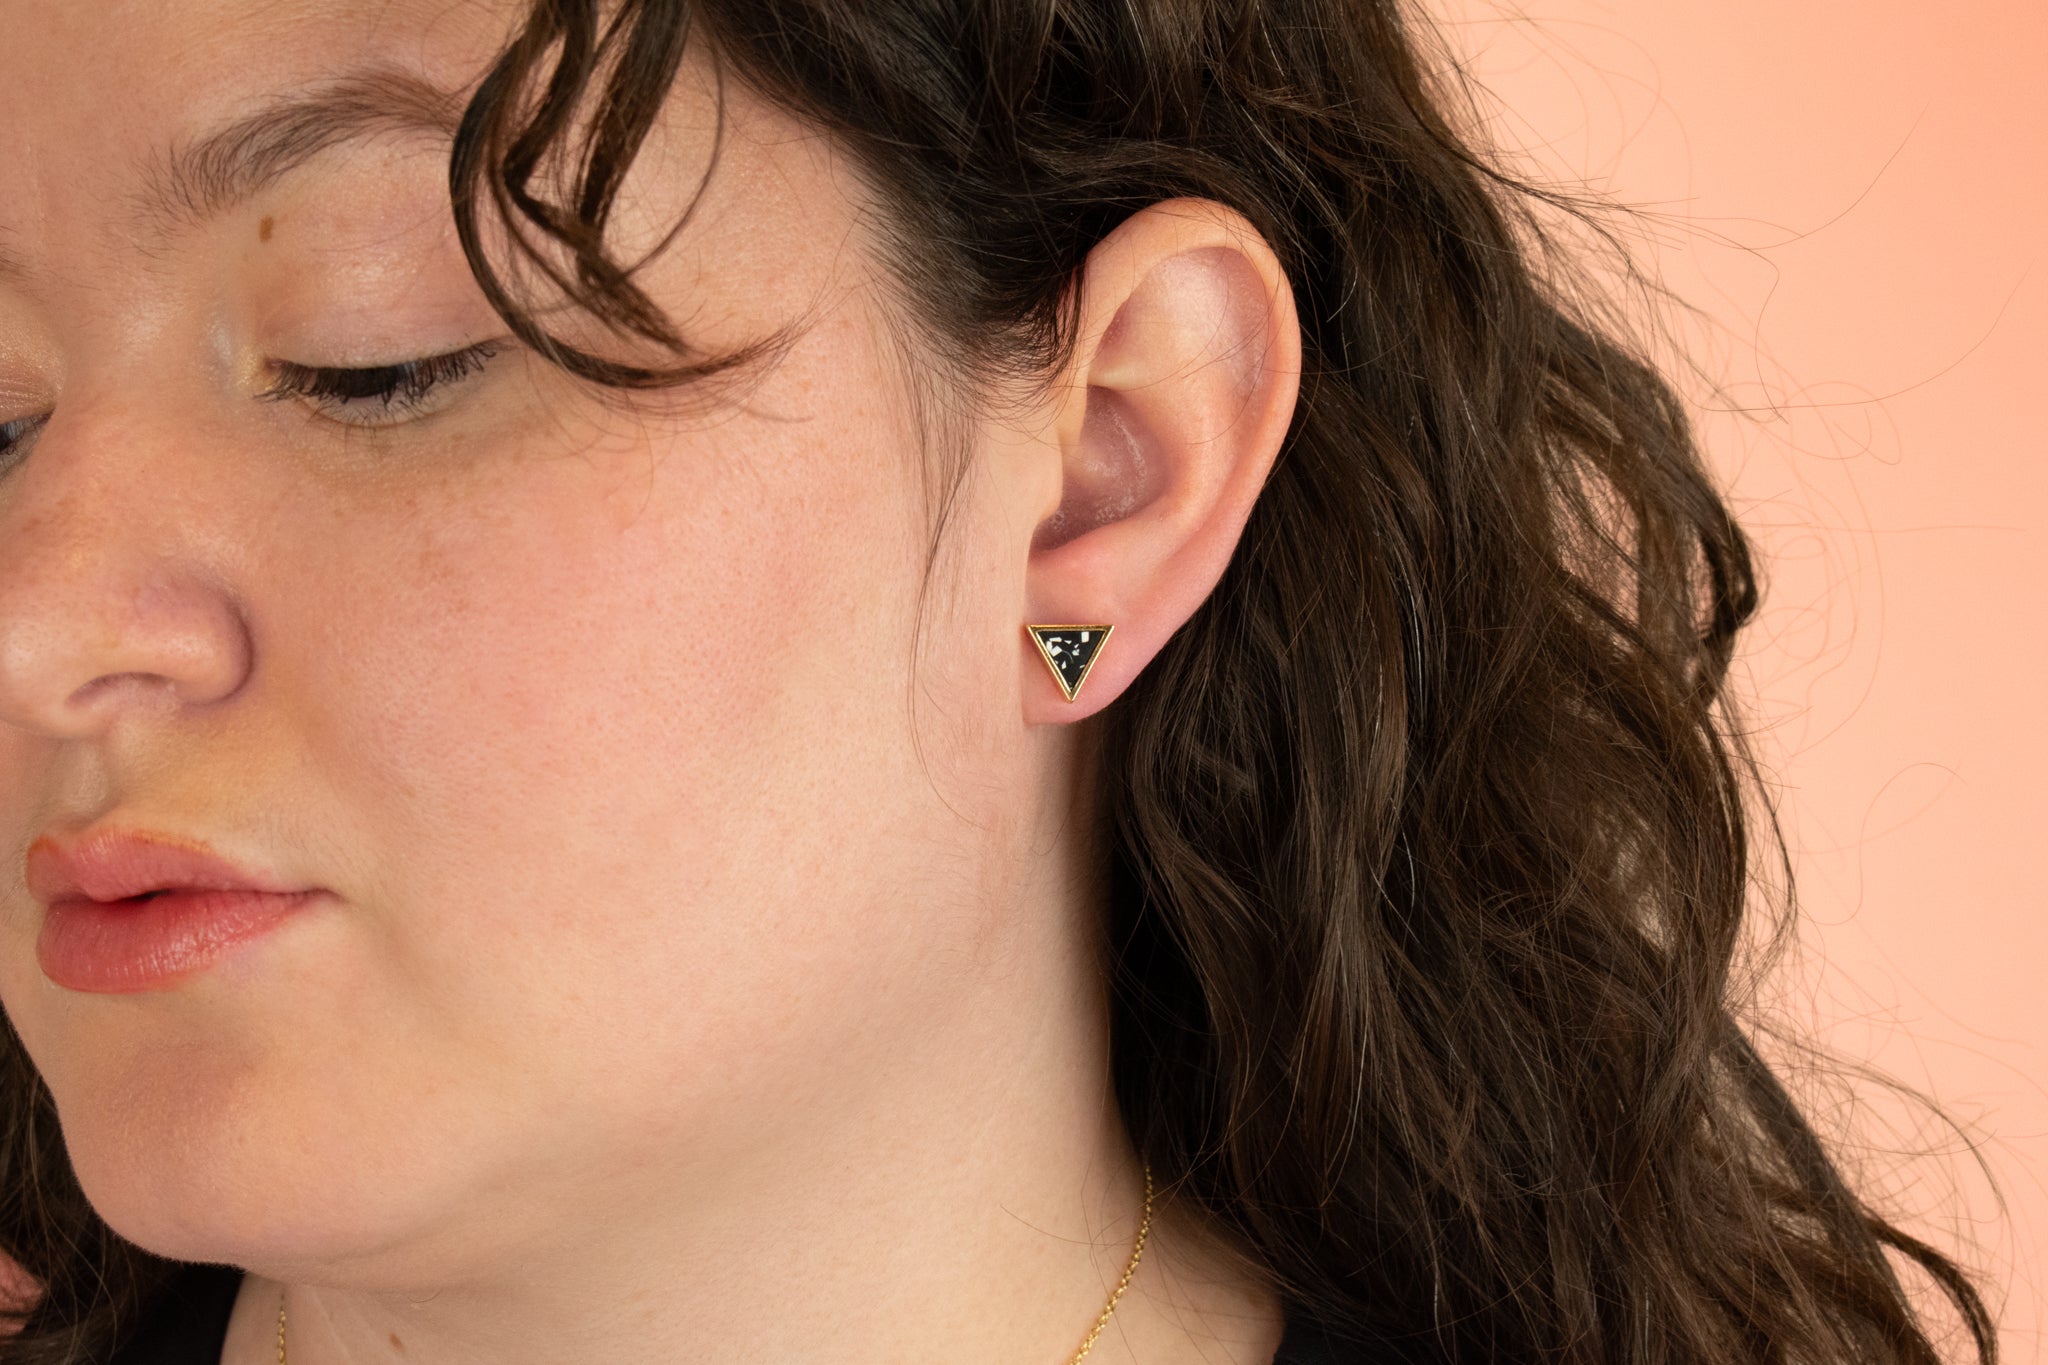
1130	1269
1137	1251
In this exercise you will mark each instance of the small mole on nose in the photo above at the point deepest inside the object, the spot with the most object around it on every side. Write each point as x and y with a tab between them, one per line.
396	1344
264	229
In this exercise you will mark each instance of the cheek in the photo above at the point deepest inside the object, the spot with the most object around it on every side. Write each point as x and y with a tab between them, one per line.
613	730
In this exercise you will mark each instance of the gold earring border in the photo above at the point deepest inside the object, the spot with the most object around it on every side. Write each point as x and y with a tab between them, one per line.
1074	693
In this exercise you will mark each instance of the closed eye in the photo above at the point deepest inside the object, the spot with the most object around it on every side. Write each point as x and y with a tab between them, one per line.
15	438
378	395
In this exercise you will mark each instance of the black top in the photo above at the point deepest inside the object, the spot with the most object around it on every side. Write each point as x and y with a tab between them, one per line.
191	1323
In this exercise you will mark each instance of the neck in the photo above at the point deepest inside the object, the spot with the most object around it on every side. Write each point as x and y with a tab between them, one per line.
978	1200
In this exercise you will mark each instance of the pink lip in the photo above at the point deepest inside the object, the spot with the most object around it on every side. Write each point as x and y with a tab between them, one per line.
131	912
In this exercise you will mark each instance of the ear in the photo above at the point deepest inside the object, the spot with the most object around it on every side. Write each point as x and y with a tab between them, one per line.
1168	420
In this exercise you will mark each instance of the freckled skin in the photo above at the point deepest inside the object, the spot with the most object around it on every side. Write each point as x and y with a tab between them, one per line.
667	879
523	673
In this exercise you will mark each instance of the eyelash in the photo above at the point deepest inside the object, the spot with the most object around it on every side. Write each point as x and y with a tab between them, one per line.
14	439
377	395
398	392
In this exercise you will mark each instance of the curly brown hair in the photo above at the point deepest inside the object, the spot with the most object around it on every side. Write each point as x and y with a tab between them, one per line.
1430	836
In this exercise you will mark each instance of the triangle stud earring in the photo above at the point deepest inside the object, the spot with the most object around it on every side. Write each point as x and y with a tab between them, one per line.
1070	652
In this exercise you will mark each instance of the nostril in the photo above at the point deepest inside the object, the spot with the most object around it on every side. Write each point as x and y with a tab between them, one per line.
109	682
86	638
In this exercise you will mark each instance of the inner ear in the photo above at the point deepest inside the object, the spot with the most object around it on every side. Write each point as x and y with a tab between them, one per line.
1174	366
1113	470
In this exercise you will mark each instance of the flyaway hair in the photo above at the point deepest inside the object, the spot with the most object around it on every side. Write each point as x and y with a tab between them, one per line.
1430	838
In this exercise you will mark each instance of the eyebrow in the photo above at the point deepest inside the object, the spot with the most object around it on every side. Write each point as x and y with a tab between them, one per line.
194	181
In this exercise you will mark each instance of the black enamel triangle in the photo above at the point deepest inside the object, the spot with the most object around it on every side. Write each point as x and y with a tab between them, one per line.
1070	651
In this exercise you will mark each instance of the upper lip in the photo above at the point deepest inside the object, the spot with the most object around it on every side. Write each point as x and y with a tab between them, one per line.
115	864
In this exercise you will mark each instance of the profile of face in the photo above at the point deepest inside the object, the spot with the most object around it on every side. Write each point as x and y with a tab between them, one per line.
666	837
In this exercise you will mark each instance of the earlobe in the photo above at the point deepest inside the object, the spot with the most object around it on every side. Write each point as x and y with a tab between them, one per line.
1180	393
1070	652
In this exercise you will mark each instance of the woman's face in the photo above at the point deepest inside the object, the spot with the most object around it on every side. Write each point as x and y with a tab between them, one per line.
594	721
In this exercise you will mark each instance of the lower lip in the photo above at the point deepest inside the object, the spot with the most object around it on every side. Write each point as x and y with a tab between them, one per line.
150	943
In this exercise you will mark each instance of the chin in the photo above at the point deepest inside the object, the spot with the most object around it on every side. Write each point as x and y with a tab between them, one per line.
177	1163
199	1162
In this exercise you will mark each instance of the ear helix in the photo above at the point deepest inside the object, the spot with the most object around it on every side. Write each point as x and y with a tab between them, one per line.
1070	652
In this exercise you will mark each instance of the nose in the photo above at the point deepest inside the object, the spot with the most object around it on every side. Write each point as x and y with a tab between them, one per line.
107	598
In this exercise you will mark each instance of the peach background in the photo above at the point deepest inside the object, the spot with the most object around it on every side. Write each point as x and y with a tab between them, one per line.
1851	196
